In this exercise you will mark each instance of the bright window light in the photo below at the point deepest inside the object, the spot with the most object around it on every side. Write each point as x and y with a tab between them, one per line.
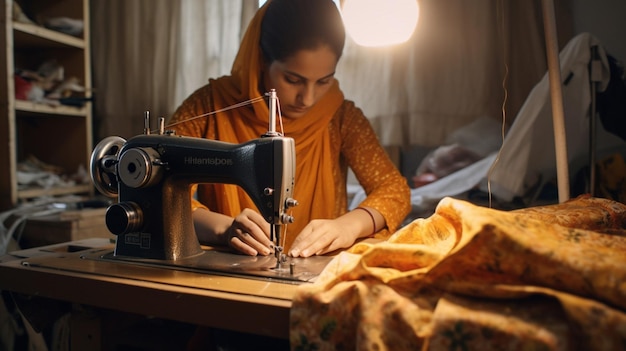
261	2
380	23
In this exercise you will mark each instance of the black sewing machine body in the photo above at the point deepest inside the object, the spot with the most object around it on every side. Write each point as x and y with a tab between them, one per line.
152	175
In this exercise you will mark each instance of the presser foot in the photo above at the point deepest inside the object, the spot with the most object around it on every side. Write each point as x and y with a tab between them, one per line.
281	258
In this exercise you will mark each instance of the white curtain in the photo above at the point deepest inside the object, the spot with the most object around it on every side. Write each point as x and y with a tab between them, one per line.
134	60
210	32
148	55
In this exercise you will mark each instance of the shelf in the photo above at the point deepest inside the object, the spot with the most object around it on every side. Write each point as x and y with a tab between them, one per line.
55	191
33	36
59	135
39	108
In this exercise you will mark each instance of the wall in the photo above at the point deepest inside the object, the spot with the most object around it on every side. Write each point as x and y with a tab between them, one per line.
604	19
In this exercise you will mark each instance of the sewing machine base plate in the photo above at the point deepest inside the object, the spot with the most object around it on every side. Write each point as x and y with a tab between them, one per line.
293	270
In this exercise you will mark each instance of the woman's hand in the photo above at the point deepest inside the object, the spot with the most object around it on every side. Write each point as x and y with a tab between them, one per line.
249	234
322	236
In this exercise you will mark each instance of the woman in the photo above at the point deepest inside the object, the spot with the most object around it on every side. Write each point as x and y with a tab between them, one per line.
293	46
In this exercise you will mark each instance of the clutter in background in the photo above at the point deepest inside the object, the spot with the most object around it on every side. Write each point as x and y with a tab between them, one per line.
48	85
442	161
8	229
56	216
462	148
66	25
19	15
33	172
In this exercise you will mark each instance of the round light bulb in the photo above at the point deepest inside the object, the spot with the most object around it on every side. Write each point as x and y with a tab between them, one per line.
380	22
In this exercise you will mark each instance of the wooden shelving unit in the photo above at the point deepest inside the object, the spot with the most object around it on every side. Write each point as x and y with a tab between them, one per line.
56	135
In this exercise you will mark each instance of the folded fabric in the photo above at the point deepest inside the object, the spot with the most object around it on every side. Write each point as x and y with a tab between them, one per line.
474	278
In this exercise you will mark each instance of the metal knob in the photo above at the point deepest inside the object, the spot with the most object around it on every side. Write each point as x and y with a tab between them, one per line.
123	218
136	167
289	203
286	219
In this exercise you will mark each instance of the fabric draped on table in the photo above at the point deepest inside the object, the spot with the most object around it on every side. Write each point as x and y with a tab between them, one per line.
474	278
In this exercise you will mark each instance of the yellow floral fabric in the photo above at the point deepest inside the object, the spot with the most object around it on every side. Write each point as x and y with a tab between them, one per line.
473	278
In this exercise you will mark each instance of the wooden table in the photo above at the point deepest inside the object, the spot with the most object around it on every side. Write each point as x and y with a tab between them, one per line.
65	272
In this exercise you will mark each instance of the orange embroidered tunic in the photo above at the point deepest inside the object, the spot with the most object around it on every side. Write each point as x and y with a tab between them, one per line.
352	143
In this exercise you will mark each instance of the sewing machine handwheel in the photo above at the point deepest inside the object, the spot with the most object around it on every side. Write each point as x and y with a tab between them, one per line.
102	165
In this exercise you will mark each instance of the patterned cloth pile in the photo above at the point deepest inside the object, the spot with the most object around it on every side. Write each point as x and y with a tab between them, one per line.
473	278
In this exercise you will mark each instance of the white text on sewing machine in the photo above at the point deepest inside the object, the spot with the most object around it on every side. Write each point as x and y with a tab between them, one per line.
208	161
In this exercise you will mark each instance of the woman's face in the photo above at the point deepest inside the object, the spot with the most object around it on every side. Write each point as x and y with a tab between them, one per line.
301	80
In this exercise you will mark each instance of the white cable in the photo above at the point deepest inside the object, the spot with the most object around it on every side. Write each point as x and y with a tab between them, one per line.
7	233
18	225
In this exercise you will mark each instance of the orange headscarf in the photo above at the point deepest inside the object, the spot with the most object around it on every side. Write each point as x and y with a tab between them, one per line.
314	184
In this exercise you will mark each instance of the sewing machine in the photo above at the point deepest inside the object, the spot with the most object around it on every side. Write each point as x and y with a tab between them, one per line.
151	174
156	256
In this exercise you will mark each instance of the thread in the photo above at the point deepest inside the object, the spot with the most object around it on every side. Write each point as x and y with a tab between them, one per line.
500	12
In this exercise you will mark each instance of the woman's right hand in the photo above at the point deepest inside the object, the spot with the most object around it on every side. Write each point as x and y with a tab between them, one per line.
249	233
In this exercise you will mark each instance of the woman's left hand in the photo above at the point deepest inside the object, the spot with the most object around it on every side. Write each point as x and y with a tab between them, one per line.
322	236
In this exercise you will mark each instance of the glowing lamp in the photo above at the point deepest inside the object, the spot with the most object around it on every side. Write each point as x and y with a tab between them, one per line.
380	22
